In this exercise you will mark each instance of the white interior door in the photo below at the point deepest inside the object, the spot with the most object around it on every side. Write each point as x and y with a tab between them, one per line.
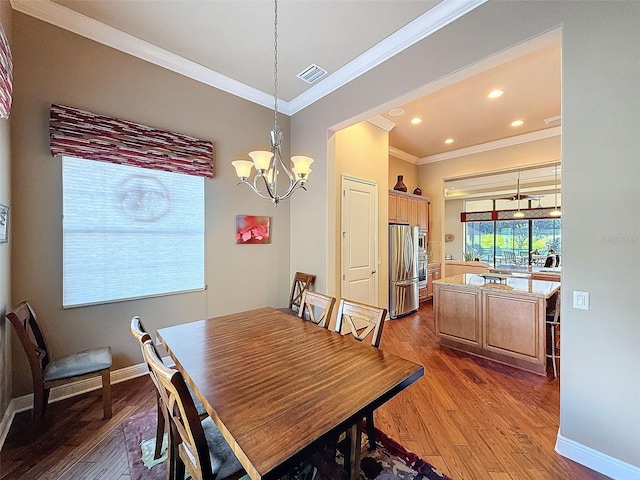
359	242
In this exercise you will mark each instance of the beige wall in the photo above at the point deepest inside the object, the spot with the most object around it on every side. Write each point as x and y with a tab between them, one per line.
408	170
361	151
53	65
5	248
600	388
453	225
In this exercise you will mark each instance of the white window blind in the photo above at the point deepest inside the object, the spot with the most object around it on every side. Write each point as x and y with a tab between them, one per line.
129	232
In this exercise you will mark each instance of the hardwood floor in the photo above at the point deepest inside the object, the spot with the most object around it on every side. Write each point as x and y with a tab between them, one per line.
471	418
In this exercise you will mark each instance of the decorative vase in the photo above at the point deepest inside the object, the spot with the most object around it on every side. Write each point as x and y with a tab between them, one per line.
400	186
417	191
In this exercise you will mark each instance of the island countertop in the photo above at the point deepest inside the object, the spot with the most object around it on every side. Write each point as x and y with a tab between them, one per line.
512	284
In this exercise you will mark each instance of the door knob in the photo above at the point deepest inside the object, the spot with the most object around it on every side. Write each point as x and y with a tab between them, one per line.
373	271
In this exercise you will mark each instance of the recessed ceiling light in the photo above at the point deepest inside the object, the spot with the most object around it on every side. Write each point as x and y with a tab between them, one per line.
449	141
396	112
495	94
517	123
416	121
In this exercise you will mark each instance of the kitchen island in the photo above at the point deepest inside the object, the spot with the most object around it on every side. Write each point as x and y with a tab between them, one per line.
496	316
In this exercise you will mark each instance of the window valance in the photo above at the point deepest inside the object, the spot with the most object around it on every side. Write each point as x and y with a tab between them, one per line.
76	133
505	215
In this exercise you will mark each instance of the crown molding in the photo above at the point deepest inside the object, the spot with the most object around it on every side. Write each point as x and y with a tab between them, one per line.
402	155
486	147
429	22
382	122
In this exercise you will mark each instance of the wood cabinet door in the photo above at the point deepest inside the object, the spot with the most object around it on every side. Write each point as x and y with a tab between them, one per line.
514	326
393	208
422	294
413	211
430	284
458	314
423	215
403	209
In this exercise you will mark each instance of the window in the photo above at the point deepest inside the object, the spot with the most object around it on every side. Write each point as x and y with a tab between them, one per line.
510	242
129	232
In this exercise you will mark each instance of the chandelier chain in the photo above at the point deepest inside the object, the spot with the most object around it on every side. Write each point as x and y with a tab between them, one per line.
275	64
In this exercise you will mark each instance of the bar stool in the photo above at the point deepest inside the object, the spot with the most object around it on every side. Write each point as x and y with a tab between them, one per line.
553	325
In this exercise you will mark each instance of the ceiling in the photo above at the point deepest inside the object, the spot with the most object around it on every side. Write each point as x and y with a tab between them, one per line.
228	44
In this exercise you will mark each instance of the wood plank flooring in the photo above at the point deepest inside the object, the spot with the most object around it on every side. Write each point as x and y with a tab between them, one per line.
471	418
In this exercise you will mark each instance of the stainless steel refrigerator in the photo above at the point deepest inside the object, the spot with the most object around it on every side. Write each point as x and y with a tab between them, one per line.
403	270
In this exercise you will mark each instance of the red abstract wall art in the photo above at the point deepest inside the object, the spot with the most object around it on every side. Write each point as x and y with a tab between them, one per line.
252	229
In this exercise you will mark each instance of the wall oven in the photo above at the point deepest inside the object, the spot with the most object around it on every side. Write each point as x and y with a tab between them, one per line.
422	270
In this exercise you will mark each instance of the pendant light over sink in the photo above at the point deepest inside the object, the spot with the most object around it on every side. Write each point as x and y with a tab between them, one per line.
269	164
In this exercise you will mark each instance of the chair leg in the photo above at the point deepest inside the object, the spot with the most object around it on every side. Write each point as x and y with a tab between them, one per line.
553	350
40	399
175	466
371	432
159	429
106	393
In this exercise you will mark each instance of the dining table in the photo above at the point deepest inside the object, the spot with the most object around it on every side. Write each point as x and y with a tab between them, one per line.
278	387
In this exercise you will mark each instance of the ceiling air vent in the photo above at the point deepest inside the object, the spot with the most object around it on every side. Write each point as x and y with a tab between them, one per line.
312	73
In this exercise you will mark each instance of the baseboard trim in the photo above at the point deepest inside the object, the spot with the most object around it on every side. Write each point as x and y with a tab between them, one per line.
25	402
596	460
7	419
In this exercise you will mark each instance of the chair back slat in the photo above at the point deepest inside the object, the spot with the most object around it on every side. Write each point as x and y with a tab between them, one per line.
25	324
301	282
188	432
363	320
317	308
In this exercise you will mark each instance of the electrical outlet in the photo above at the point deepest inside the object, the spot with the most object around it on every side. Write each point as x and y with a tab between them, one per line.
581	300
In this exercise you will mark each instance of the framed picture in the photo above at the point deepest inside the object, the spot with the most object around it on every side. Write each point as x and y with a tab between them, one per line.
252	229
4	220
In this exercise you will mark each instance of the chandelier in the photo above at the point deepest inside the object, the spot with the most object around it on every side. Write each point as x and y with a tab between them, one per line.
269	164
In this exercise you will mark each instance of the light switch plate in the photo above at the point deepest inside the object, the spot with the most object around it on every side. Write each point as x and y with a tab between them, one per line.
581	300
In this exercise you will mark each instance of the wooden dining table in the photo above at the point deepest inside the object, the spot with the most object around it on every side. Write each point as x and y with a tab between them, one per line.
278	387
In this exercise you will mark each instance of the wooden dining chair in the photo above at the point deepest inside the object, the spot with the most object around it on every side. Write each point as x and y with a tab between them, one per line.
195	445
316	308
363	322
301	283
141	335
48	373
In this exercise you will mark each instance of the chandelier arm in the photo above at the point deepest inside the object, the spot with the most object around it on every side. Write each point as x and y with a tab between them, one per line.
256	190
272	193
292	188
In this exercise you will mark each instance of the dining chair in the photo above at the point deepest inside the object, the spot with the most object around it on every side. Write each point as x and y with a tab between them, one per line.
141	335
194	445
48	373
316	308
301	283
362	322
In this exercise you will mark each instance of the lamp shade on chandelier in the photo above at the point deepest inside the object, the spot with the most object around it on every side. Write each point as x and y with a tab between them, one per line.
269	164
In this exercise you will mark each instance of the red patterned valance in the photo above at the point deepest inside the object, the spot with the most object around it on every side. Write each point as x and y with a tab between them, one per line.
6	75
81	134
505	215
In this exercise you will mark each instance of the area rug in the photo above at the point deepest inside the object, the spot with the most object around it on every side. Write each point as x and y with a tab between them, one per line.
389	461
